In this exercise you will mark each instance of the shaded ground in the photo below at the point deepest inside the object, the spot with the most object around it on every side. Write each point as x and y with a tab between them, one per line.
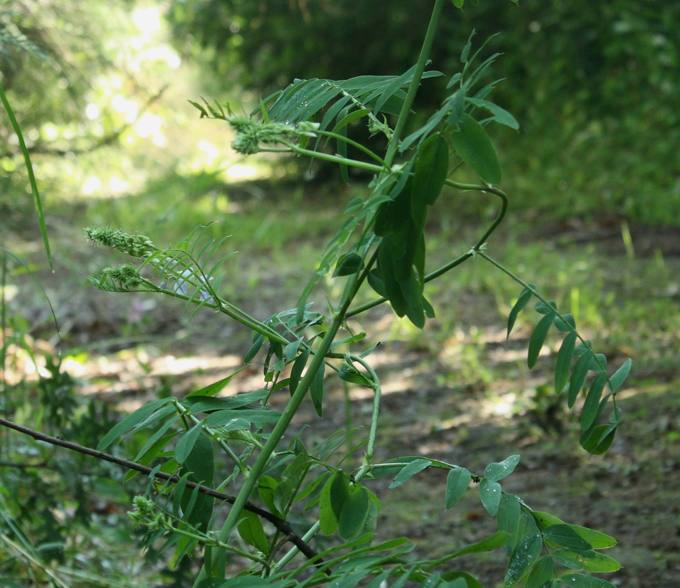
459	391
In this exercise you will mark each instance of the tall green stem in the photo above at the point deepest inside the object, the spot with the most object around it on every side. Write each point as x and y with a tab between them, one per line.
288	414
415	82
349	294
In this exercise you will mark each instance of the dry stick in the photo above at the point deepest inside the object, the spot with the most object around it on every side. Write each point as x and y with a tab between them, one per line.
279	523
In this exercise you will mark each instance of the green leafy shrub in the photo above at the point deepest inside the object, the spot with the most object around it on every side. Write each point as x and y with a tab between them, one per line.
281	490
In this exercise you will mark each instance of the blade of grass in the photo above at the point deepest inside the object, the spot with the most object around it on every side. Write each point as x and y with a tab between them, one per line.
31	176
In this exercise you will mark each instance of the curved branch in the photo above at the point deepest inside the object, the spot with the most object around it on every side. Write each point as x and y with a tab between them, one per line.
279	523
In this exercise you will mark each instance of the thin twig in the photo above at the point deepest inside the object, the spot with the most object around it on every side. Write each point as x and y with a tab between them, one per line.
279	523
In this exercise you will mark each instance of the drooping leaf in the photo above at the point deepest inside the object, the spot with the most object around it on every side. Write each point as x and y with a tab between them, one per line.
542	572
522	301
497	471
500	115
475	148
565	536
538	338
598	439
457	483
509	514
350	263
578	377
490	494
130	421
620	375
256	345
186	443
524	556
564	361
296	370
251	531
591	407
331	500
408	471
354	513
431	169
316	390
216	387
201	465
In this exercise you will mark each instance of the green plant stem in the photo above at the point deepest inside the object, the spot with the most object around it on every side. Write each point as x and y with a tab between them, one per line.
520	281
368	455
287	415
31	176
375	415
328	157
461	258
365	150
293	551
226	308
350	291
423	56
489	190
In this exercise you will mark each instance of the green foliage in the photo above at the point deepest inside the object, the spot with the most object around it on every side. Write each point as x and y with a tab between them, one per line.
594	88
281	490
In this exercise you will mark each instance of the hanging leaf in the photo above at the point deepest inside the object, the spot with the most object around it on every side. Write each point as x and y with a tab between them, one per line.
538	338
186	443
598	439
509	512
578	377
497	471
542	572
316	390
431	169
258	340
408	471
500	115
522	301
591	407
475	148
523	558
296	370
620	375
354	513
130	421
331	500
201	465
490	494
251	531
565	536
564	361
348	264
457	483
